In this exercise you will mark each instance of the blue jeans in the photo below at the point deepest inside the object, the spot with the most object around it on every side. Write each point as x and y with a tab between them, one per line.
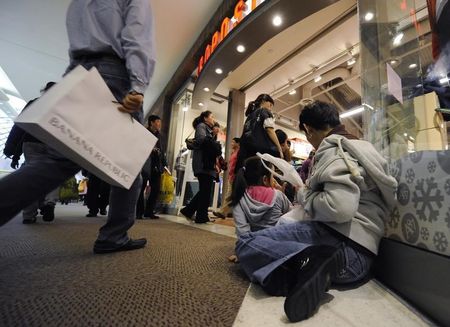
270	257
31	182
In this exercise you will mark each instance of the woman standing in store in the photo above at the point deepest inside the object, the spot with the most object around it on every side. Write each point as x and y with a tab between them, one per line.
259	133
205	152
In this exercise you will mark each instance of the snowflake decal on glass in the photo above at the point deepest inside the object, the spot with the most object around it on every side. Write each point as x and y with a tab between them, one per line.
447	187
416	156
424	233
394	218
427	199
447	219
431	167
410	175
410	228
395	169
440	241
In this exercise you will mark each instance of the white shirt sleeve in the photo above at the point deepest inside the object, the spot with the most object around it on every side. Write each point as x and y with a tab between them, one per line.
269	122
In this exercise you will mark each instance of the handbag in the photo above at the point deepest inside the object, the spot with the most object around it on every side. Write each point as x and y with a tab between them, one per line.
190	143
78	118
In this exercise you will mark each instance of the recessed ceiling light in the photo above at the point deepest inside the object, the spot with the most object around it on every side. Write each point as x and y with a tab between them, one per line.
277	21
351	61
185	108
412	66
219	71
398	38
369	16
200	104
206	89
393	61
317	78
292	92
240	48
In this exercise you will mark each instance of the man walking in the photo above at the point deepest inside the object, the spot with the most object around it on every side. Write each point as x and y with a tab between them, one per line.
115	37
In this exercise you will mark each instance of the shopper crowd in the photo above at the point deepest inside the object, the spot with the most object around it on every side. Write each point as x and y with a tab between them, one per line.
344	188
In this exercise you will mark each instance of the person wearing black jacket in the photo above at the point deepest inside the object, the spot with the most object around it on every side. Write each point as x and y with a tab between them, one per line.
151	172
20	142
206	151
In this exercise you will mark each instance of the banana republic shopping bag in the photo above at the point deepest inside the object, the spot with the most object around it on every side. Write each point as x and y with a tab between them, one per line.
78	118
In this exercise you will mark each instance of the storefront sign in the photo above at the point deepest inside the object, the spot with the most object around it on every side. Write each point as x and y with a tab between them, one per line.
241	10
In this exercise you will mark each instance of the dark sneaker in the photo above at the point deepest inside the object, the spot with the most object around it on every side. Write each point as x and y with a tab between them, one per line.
154	217
204	221
101	247
48	212
320	266
103	212
186	214
218	214
91	214
28	221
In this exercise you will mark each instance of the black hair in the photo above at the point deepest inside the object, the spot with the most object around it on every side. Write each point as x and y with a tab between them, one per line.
237	140
152	118
319	115
281	136
47	86
216	124
253	105
201	118
251	174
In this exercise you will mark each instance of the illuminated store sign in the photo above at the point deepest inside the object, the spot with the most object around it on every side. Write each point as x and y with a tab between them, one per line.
241	10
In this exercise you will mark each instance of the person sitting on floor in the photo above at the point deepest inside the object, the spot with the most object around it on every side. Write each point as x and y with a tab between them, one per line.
347	198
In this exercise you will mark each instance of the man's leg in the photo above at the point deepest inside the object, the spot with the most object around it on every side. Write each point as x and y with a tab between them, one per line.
141	198
104	197
121	215
31	182
267	256
93	195
155	187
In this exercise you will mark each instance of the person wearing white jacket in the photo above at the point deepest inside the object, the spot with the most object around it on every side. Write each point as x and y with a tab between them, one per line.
346	199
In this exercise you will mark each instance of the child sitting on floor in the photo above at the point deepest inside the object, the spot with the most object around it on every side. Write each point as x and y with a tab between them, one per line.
257	204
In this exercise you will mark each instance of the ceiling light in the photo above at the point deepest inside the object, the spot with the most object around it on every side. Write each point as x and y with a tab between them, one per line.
351	61
185	108
398	38
292	92
405	134
200	104
219	71
369	16
412	66
393	61
240	48
352	112
206	89
317	78
444	80
277	21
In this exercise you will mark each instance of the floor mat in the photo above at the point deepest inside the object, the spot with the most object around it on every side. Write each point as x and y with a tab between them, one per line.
49	277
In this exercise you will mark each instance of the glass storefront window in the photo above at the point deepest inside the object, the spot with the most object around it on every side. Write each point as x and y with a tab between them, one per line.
404	118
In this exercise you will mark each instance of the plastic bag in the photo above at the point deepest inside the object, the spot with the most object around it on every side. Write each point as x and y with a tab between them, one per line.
167	188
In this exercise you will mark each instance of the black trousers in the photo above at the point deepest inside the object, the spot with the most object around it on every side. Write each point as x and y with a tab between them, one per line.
200	202
97	196
147	208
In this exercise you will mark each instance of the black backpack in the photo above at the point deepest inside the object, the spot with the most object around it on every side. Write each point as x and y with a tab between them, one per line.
254	137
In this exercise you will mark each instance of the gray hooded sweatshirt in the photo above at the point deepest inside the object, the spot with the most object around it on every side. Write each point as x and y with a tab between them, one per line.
251	215
350	190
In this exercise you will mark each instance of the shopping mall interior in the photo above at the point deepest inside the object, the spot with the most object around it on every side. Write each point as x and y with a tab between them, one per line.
372	60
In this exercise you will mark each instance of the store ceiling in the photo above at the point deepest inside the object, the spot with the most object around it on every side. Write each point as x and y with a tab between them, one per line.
34	42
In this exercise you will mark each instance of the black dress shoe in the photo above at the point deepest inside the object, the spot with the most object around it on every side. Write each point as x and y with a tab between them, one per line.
48	212
103	212
186	214
27	221
218	214
90	214
108	247
154	217
320	265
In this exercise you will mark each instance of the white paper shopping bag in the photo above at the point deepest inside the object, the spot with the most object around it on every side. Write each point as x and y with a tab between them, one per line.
78	118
